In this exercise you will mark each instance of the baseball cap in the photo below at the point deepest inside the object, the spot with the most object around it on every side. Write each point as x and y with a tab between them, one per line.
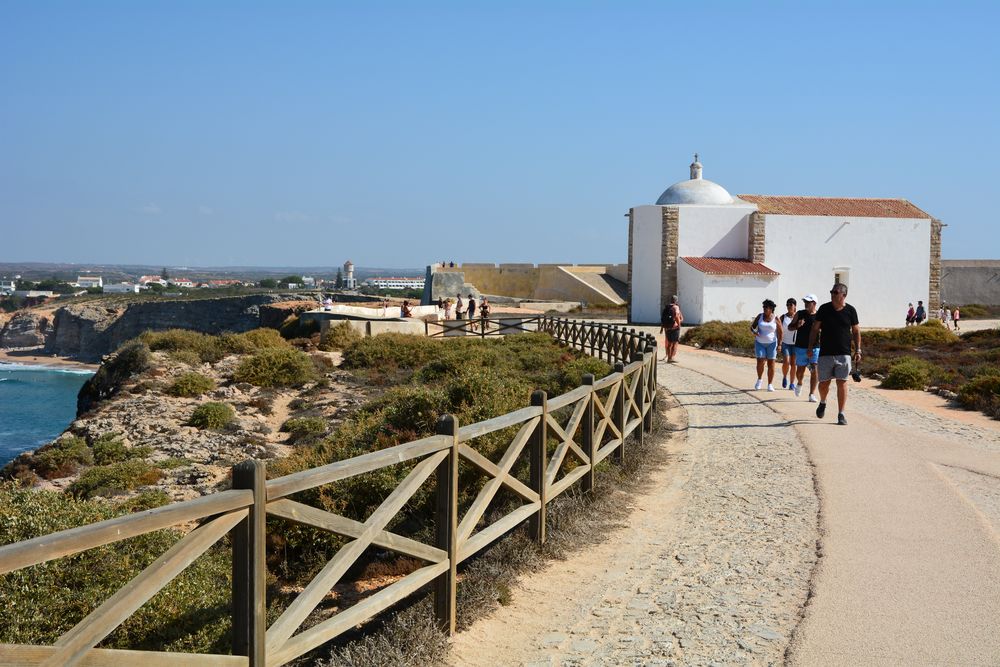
809	297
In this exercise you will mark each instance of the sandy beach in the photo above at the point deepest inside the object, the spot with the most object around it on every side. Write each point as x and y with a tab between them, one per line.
32	358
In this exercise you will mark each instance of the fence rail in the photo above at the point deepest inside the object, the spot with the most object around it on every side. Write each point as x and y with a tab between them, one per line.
563	438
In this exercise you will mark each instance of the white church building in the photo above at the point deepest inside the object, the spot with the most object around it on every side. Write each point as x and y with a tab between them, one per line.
723	255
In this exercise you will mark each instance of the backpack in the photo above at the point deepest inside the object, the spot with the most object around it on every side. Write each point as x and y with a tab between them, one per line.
669	317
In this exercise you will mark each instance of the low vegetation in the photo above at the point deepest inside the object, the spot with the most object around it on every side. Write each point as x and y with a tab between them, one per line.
723	336
276	367
114	479
128	361
212	415
340	337
43	601
185	345
191	384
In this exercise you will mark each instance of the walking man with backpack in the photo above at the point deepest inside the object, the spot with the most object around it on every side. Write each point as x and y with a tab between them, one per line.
670	321
835	327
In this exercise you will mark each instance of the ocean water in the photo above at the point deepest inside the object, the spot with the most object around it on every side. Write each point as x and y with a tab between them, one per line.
37	403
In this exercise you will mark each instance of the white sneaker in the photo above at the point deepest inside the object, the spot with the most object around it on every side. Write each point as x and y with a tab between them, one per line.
798	390
758	384
812	398
770	387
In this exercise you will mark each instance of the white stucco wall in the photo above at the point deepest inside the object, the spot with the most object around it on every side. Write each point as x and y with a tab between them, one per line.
714	231
727	298
647	243
886	261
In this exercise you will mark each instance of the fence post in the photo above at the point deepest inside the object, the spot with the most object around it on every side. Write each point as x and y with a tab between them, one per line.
618	414
588	433
249	567
539	443
650	358
446	526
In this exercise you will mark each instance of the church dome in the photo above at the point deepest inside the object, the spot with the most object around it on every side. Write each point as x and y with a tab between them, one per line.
696	190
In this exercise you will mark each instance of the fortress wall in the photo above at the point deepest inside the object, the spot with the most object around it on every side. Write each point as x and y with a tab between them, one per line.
524	281
970	281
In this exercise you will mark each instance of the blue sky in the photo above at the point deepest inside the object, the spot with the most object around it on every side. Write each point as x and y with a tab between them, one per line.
399	134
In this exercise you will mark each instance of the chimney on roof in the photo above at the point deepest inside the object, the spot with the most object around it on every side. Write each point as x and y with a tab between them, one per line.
695	168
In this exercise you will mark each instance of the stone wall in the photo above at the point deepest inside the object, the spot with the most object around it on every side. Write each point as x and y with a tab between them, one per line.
668	253
966	281
934	285
755	244
525	281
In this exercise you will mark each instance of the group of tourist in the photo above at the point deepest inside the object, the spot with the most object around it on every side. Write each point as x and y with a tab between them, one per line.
818	339
946	314
463	308
815	338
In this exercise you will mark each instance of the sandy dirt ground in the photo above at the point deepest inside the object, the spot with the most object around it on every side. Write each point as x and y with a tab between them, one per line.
32	358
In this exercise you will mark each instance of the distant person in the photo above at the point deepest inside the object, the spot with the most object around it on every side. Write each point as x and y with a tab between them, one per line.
405	310
459	307
805	356
447	309
955	314
670	326
835	327
911	315
942	315
484	311
451	265
327	303
788	345
472	307
921	314
767	343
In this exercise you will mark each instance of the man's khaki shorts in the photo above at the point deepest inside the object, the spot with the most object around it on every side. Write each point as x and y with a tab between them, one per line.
834	367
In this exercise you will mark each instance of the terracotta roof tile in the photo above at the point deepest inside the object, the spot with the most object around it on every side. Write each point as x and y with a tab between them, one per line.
725	266
851	207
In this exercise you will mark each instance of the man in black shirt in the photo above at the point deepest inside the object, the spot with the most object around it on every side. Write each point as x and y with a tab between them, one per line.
835	327
805	356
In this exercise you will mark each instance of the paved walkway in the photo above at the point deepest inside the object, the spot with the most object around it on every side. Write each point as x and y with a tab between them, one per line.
717	563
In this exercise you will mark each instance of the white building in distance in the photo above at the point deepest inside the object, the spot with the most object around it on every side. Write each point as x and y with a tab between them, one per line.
350	282
723	255
89	281
396	283
122	288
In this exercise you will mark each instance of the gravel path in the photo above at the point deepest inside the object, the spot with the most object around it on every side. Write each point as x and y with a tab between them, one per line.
713	567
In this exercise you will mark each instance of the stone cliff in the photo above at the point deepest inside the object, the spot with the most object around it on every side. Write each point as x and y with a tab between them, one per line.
26	329
87	331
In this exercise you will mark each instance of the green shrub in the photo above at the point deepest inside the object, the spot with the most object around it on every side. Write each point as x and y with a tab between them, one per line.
930	332
721	335
188	357
340	337
982	393
43	601
208	348
127	361
974	311
113	479
191	384
294	327
61	458
304	428
908	373
109	448
212	415
392	351
276	367
252	341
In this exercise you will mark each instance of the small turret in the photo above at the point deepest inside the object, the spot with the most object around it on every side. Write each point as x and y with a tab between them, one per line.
695	168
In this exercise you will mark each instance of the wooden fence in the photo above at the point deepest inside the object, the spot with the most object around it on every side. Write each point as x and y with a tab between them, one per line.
563	438
483	326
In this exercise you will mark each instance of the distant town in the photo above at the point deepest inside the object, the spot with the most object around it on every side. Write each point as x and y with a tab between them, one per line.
31	284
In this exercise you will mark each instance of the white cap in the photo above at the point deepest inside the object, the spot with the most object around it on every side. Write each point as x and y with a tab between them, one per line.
809	297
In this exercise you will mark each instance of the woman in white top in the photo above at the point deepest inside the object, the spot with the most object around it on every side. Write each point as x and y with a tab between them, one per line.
767	343
788	345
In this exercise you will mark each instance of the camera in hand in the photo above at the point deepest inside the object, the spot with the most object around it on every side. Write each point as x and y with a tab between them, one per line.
856	375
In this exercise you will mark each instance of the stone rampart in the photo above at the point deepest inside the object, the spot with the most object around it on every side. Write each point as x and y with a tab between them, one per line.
970	281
